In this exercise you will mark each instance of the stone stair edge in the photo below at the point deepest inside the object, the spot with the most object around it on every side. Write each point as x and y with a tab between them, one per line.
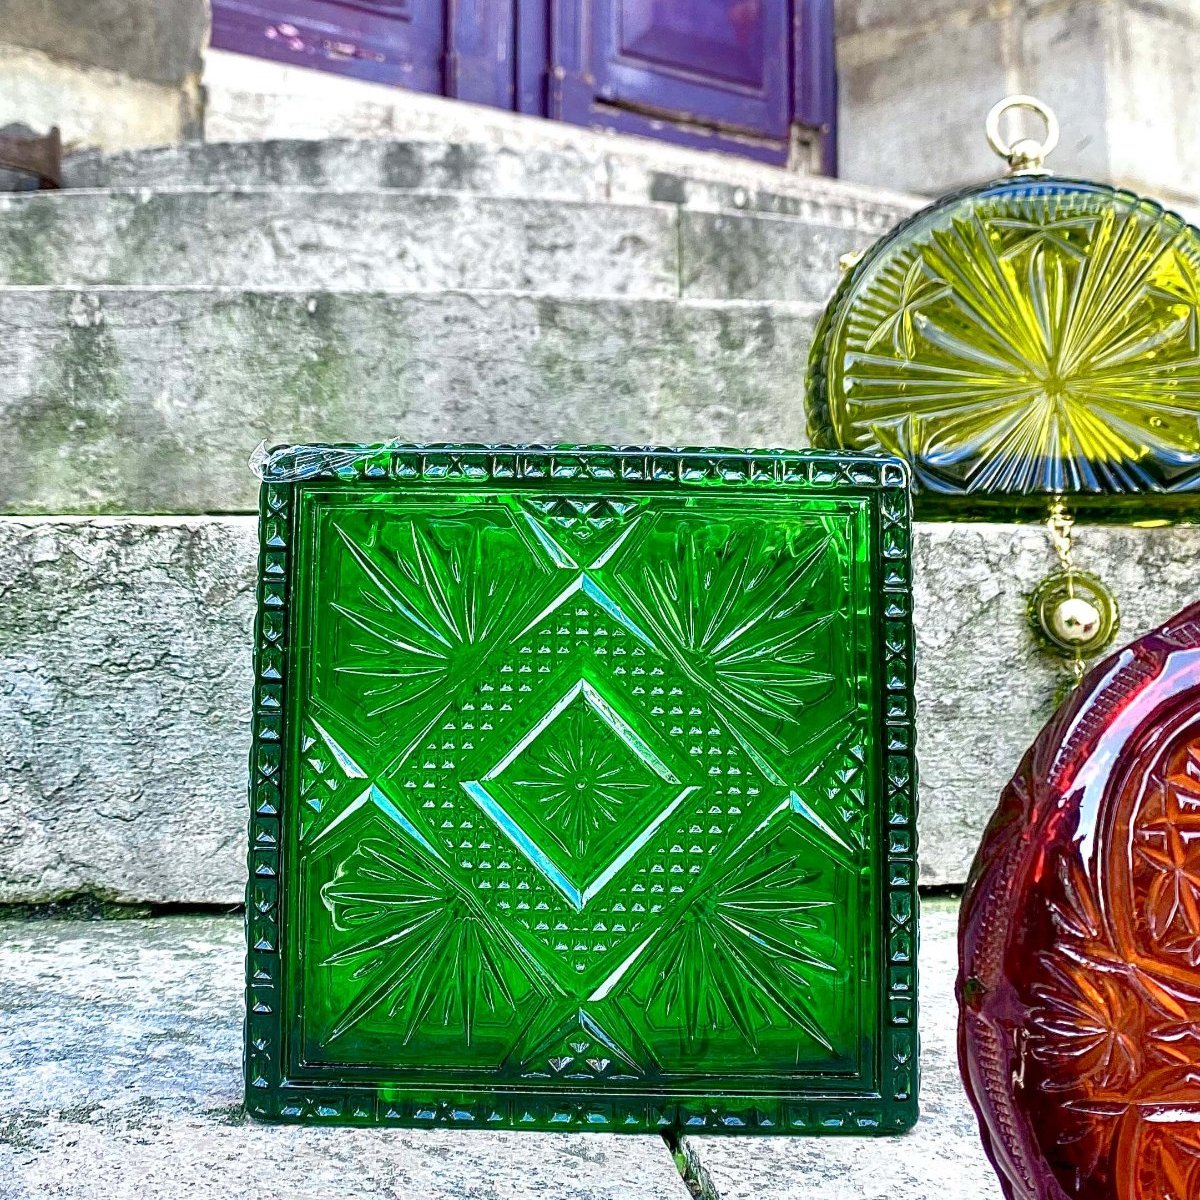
698	303
127	1039
430	241
700	167
16	201
93	1116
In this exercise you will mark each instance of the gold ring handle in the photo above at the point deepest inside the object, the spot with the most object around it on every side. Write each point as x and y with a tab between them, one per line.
1025	155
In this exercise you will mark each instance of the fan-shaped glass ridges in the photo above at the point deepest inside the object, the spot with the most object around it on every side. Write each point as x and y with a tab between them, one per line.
1029	338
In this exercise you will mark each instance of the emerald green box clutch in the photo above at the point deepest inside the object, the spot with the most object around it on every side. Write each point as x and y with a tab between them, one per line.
583	791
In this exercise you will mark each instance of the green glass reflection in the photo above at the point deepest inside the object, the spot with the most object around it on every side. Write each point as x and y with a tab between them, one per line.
583	803
1032	337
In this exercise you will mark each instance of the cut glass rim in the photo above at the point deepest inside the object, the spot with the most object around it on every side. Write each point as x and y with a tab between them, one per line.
297	462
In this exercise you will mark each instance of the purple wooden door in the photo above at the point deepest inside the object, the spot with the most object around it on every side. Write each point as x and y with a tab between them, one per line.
459	48
731	75
715	73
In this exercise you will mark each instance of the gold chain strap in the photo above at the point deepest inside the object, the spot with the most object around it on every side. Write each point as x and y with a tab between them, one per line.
1061	527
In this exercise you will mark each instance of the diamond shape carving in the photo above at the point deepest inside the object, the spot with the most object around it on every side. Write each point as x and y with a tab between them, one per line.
572	790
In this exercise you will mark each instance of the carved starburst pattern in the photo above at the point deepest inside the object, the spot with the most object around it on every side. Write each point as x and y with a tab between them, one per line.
418	946
1113	1033
571	791
741	954
1081	1027
752	616
1030	340
1079	986
580	782
1168	845
420	610
899	329
1169	1163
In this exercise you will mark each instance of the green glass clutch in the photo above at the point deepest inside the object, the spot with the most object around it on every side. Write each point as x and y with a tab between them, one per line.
1032	338
583	792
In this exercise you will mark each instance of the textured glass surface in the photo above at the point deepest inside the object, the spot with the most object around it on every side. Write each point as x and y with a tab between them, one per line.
1031	337
1080	940
591	794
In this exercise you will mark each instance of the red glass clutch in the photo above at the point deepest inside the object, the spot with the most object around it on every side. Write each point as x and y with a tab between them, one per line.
1079	984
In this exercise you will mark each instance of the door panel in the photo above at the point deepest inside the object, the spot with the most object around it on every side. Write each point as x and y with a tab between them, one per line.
461	48
706	41
533	55
400	42
814	76
481	62
712	64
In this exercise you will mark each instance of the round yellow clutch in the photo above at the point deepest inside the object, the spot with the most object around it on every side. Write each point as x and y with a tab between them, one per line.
1031	339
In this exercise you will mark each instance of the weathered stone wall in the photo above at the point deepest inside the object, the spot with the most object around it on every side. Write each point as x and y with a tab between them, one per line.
159	42
549	294
917	81
110	73
151	400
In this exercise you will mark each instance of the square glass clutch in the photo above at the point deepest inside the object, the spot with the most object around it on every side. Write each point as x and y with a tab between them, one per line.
583	791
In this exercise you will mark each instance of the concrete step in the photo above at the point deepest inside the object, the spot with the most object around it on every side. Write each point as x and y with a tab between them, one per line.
313	239
122	1043
125	689
151	399
540	164
403	240
252	100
